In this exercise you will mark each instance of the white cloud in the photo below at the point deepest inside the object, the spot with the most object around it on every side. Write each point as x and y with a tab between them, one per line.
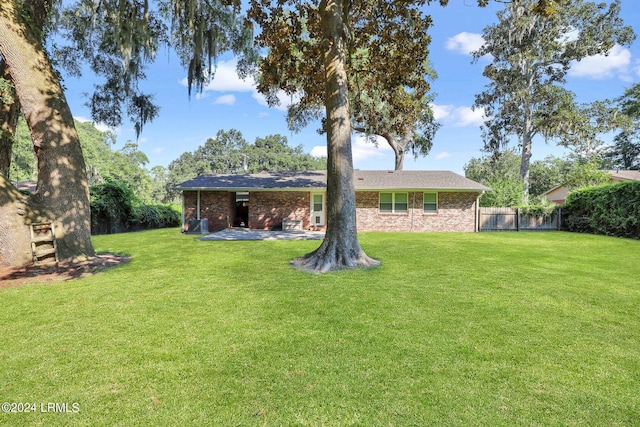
285	100
361	149
458	116
599	67
158	150
442	155
441	111
465	43
319	151
100	126
225	79
225	100
467	116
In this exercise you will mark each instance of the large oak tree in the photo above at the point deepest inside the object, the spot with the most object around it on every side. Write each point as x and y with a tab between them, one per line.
532	48
116	37
312	49
62	194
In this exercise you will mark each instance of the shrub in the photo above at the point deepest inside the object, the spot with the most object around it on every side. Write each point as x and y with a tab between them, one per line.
111	207
612	210
147	217
115	209
505	192
542	207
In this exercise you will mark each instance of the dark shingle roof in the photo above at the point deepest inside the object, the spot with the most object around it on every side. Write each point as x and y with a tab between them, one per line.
414	180
363	180
258	181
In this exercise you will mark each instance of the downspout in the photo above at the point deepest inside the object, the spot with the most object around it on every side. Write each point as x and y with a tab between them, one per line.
478	211
198	207
183	209
413	210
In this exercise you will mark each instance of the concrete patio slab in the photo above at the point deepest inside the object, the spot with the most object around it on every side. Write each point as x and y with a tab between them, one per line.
239	233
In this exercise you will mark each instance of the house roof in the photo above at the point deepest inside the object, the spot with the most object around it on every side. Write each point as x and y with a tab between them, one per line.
616	175
625	175
309	180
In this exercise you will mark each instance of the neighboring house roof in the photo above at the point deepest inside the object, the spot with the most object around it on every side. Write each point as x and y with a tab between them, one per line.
554	189
309	180
616	175
624	175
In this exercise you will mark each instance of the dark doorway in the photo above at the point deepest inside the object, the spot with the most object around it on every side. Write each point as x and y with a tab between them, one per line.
242	210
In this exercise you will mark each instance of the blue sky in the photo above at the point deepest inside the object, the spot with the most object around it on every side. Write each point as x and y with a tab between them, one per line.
230	103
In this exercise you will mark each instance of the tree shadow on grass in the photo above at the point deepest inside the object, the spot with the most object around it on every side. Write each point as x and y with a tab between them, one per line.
63	271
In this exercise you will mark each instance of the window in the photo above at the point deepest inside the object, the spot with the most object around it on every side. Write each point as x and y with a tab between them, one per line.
430	202
394	202
317	202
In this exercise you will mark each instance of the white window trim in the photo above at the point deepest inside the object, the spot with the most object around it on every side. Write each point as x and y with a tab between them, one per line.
313	213
437	203
393	202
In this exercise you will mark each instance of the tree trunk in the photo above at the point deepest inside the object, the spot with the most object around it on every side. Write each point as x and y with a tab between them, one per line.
340	248
15	245
9	114
62	192
400	148
399	160
524	165
527	140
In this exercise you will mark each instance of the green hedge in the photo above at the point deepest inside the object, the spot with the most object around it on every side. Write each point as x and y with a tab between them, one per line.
147	217
612	210
115	209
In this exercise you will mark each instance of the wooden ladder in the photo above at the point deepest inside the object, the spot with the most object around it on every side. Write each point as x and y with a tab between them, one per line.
44	247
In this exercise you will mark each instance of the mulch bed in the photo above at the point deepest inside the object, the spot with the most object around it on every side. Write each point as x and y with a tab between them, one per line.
61	272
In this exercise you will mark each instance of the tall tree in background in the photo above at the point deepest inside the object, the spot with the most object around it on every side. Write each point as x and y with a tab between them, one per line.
229	153
404	119
407	126
625	152
532	47
500	172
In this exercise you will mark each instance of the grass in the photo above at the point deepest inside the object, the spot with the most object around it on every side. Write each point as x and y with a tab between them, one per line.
484	329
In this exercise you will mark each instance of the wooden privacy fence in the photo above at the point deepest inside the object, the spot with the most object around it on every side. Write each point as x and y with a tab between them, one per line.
513	219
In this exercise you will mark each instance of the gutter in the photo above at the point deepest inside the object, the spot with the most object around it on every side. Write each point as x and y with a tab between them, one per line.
247	189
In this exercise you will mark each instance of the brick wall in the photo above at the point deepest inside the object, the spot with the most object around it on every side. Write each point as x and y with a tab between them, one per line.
216	206
267	209
456	212
190	204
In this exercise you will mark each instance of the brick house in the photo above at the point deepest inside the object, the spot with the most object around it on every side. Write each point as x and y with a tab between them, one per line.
385	200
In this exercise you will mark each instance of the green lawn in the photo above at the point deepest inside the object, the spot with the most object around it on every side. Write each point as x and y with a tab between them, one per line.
453	329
